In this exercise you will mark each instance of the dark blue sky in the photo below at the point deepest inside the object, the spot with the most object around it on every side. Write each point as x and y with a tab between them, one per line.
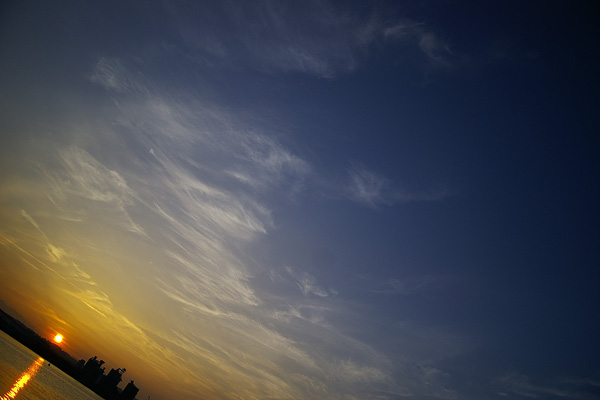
308	200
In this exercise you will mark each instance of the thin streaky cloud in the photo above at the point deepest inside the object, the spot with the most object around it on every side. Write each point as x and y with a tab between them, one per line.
321	40
114	75
85	177
371	189
307	283
169	192
367	187
436	50
521	385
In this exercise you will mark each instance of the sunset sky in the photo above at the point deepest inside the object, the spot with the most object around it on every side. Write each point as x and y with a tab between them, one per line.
313	200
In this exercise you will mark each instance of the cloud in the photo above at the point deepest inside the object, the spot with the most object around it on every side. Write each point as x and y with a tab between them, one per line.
307	283
437	51
434	48
207	181
30	220
371	189
53	258
274	356
367	187
516	383
319	39
155	205
270	156
436	381
56	253
406	286
114	75
352	372
85	177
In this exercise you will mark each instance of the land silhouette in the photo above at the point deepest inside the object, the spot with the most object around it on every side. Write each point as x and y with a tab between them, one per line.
90	373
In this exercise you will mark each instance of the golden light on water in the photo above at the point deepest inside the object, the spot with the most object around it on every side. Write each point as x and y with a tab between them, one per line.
23	379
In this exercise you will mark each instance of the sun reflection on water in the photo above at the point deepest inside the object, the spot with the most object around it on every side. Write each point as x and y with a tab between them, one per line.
23	379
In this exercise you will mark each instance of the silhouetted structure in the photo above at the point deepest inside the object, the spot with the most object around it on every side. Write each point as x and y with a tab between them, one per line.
107	386
129	392
92	371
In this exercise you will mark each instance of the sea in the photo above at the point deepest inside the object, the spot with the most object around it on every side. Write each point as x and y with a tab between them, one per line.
26	376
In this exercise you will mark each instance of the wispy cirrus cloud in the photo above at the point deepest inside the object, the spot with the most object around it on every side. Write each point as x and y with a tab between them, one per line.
196	156
374	190
85	177
367	187
160	199
114	74
307	283
436	50
320	39
515	383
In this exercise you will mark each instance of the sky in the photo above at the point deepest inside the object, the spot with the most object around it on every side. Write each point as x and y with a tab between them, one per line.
312	200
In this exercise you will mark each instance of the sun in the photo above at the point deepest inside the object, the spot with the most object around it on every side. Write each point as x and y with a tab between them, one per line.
58	338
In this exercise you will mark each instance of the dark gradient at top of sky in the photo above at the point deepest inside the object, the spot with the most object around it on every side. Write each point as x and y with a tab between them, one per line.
307	200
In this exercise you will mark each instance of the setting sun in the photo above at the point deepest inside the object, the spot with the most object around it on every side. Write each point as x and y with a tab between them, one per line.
58	338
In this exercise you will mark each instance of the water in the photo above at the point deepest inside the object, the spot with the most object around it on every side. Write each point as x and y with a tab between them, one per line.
26	376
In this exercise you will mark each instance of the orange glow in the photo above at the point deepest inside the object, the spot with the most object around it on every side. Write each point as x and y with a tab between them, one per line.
23	379
58	338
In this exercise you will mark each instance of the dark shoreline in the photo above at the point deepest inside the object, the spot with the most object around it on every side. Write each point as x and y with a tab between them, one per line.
53	354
